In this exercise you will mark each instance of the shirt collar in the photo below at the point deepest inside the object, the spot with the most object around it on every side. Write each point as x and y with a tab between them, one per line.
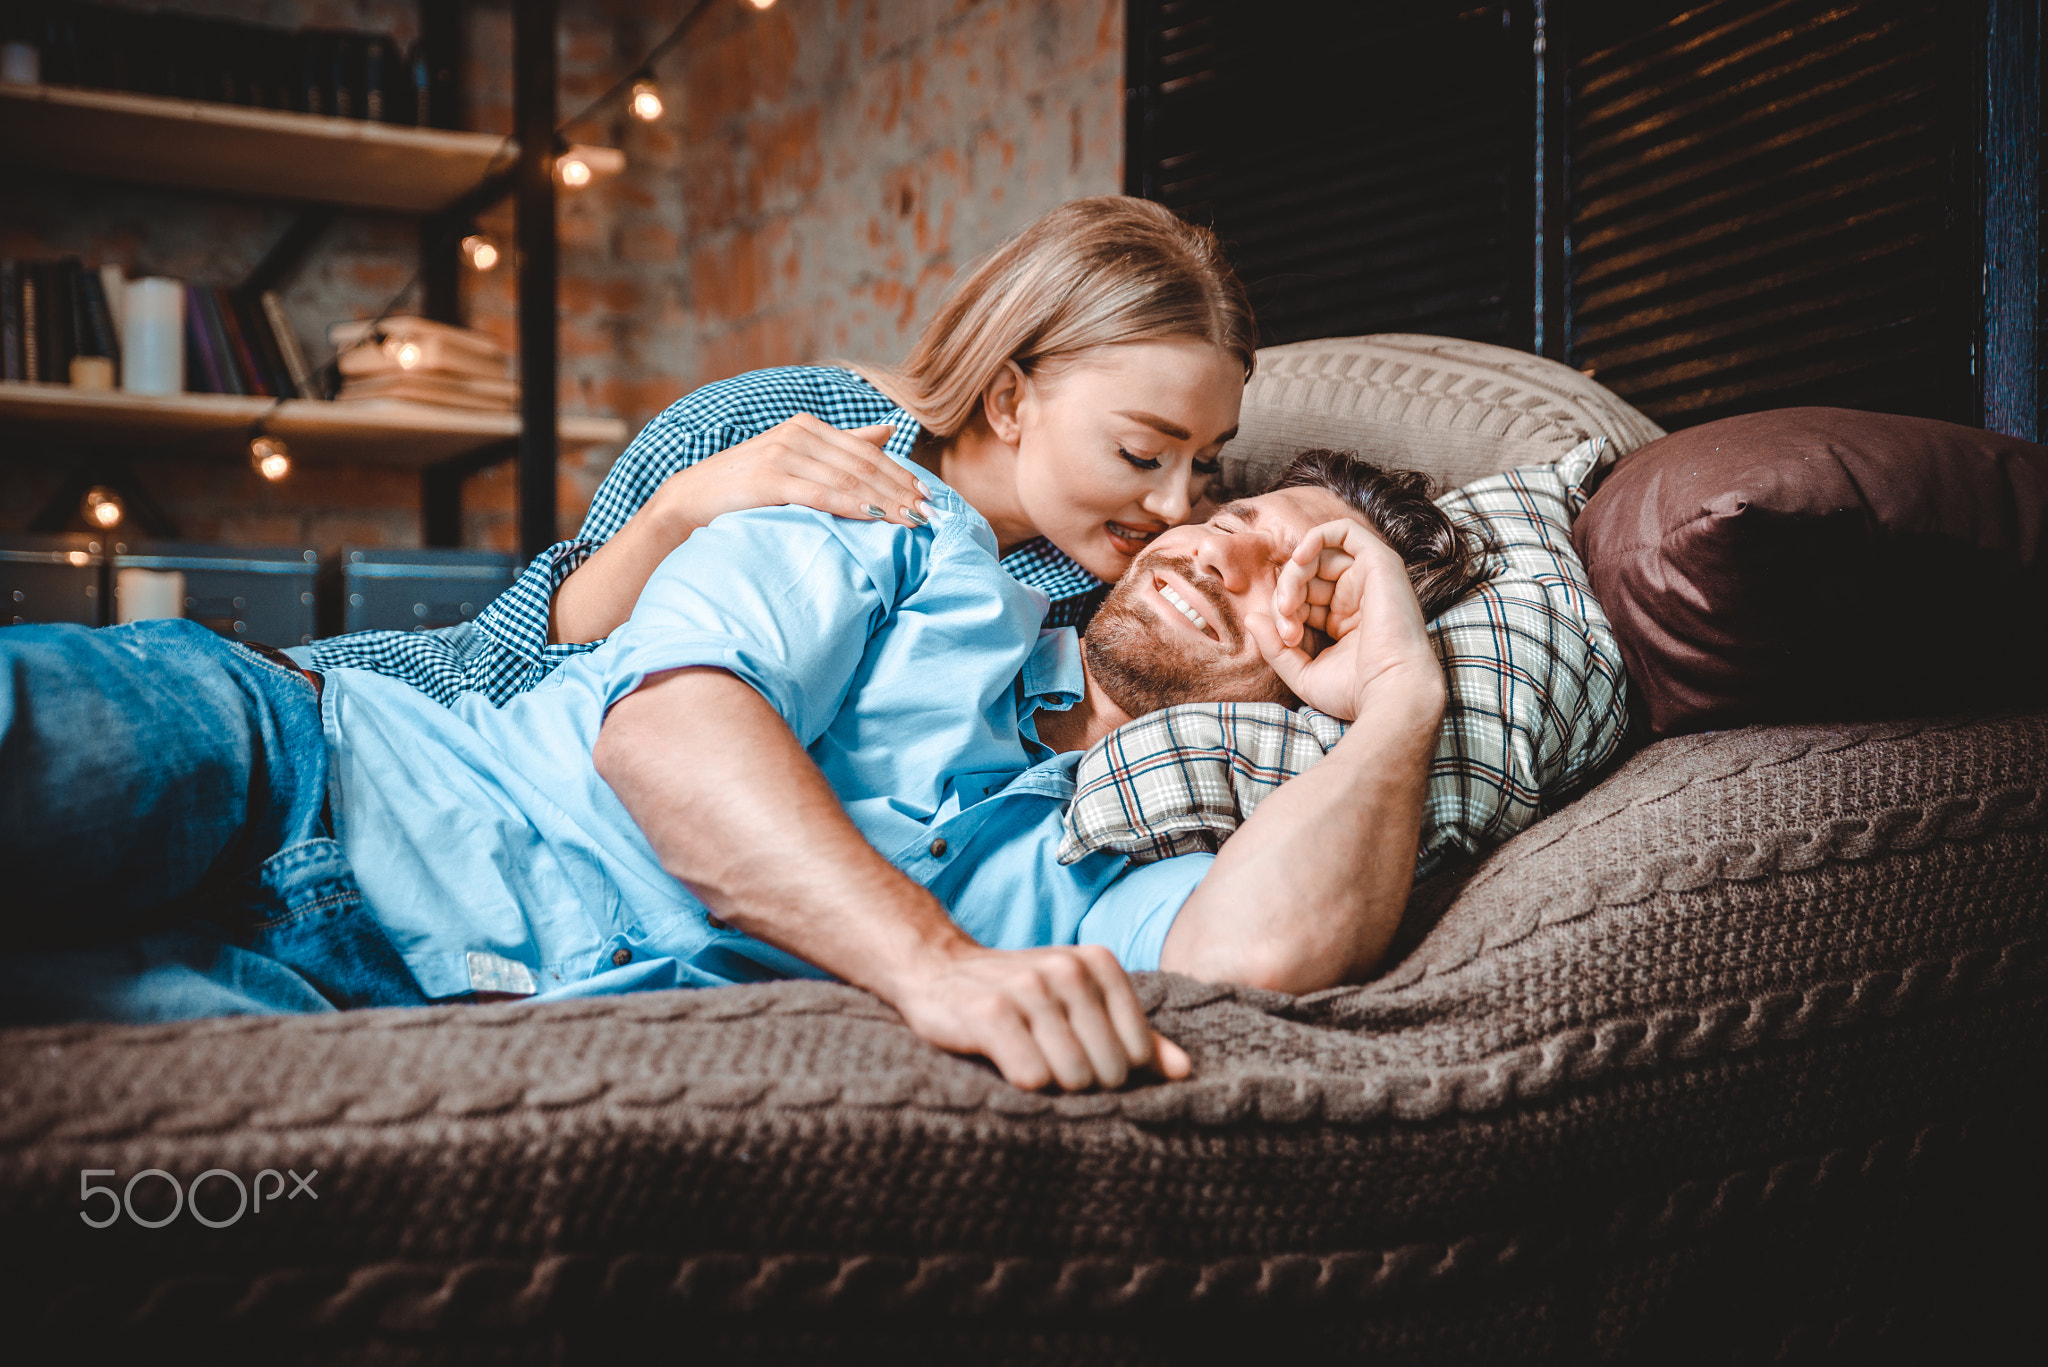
904	443
1053	676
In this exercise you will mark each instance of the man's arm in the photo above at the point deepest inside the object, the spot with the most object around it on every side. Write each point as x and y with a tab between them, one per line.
738	812
1309	893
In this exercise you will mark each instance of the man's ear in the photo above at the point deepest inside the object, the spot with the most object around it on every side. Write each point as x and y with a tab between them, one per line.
1000	401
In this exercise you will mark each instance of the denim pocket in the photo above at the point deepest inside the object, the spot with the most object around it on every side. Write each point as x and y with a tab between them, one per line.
308	913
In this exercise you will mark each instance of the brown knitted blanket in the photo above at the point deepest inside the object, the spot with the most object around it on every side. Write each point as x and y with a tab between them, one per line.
1736	1055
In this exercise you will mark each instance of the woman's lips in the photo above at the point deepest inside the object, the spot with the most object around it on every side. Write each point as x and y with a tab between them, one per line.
1128	539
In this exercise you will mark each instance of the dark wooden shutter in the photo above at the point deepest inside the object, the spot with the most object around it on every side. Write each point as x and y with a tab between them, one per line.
1770	204
1365	163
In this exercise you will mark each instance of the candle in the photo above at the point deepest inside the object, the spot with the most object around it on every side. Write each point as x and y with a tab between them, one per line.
153	337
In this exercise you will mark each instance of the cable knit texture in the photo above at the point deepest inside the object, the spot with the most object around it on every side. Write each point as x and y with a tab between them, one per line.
1721	1060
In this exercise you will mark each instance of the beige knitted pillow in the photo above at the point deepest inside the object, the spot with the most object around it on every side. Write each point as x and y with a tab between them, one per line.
1455	410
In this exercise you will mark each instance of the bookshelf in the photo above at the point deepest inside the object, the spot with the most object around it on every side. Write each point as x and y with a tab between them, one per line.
441	176
274	154
376	432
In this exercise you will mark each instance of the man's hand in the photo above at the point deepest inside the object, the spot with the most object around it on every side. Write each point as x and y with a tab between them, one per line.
1065	1015
742	817
1344	581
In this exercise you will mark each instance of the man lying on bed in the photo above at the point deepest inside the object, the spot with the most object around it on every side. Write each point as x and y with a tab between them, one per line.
819	748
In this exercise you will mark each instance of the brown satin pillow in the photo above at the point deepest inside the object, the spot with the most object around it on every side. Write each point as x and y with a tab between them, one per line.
1823	563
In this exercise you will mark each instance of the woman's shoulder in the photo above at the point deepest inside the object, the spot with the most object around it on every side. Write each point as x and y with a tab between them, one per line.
761	398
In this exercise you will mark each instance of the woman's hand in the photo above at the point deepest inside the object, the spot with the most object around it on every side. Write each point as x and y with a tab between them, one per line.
801	461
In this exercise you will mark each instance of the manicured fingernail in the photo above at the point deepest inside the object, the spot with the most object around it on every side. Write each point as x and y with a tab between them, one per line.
872	511
922	487
919	518
927	509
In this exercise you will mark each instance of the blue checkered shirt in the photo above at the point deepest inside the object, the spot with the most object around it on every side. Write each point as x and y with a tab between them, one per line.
504	650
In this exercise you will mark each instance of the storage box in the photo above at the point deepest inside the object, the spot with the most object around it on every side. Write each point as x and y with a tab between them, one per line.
246	593
414	590
58	578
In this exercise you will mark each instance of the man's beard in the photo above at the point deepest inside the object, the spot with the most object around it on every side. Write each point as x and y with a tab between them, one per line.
1132	653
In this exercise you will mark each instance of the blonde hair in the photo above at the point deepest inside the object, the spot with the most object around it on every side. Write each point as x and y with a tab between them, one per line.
1091	273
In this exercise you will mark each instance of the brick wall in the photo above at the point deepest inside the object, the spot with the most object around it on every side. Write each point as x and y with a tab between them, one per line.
820	171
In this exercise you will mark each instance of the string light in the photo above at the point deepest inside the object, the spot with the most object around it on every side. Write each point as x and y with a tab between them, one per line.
577	165
271	458
646	101
407	354
102	507
574	167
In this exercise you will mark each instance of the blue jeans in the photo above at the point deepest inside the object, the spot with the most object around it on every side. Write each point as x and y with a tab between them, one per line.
164	834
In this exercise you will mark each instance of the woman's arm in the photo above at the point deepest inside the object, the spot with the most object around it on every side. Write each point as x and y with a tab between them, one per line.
801	461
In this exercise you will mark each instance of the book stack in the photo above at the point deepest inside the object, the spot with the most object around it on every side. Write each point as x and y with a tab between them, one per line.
50	312
235	344
339	73
416	360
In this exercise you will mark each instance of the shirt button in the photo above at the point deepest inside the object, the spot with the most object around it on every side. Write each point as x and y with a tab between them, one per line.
939	847
621	957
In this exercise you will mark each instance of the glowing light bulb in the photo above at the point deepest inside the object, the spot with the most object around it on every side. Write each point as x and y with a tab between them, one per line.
574	171
646	103
271	457
481	251
102	507
407	355
762	4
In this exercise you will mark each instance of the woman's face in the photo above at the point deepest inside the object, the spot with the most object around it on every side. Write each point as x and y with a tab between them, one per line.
1117	445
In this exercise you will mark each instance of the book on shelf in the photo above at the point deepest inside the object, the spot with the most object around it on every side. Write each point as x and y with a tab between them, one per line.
50	313
335	72
96	317
58	342
114	289
441	345
247	370
268	359
427	355
207	367
31	326
447	391
10	321
422	361
287	343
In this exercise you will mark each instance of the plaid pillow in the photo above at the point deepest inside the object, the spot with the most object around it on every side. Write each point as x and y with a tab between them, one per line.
1536	701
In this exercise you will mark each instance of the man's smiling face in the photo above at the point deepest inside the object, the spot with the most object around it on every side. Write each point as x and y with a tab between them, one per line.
1173	629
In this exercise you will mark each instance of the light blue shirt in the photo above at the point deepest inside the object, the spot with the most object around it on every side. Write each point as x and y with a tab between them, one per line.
907	662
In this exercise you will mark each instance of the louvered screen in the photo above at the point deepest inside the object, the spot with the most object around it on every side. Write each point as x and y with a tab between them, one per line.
1765	205
1355	157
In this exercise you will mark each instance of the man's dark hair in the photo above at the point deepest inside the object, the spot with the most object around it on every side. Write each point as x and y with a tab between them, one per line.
1443	559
